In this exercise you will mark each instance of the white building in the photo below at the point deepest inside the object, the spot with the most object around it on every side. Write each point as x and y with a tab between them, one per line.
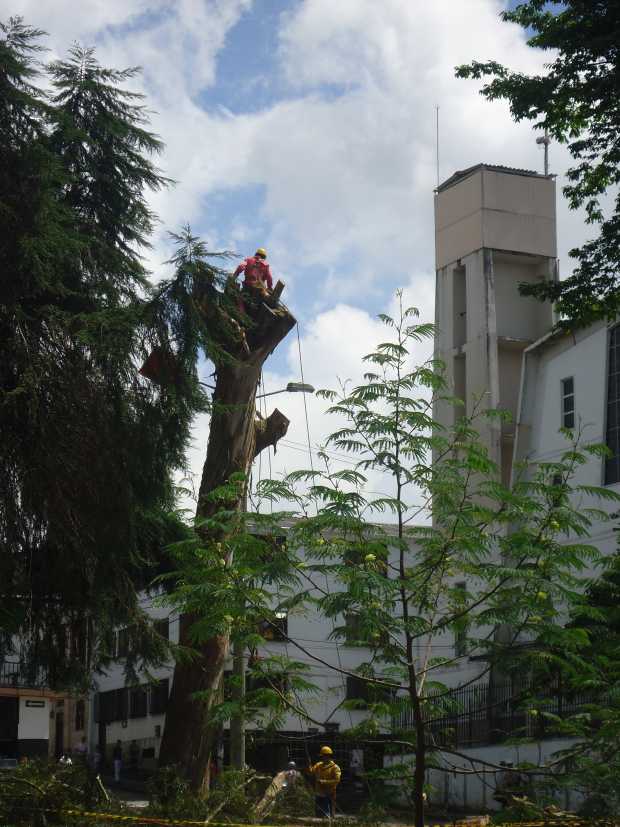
571	380
35	720
138	714
495	228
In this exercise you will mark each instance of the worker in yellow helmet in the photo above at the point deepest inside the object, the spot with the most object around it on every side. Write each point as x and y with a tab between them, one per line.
257	271
326	774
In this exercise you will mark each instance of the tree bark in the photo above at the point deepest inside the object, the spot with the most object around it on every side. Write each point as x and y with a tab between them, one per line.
236	436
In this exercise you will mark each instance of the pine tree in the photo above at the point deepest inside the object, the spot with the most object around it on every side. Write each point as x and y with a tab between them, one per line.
88	446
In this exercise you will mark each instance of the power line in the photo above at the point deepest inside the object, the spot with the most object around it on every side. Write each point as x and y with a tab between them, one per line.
301	372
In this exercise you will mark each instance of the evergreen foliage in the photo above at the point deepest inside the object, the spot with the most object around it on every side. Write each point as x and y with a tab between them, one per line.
576	102
88	446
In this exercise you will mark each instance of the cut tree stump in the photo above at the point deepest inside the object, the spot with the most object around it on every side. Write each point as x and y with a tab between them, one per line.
236	436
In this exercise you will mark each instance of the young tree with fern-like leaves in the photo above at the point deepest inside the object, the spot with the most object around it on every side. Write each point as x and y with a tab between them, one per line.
521	552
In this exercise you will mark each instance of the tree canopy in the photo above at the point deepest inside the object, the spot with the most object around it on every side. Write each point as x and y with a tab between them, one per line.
89	447
576	102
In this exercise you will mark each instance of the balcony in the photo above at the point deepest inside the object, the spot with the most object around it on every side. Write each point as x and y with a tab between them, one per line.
482	714
18	674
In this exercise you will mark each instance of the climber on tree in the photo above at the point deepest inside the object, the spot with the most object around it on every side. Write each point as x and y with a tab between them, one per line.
257	272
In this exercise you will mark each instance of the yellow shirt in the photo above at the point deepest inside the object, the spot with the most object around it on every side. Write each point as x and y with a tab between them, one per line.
326	776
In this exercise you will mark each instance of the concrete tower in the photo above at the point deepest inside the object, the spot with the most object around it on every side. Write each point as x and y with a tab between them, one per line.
494	228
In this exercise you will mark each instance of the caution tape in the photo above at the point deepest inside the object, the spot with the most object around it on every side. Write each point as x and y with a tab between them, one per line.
146	819
136	819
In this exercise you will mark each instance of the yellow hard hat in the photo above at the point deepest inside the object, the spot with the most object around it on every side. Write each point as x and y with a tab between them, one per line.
261	252
326	751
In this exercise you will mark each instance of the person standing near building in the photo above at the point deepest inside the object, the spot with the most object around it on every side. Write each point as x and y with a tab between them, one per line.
326	775
117	758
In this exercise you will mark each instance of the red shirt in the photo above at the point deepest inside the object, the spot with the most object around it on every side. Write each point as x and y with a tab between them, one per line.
256	272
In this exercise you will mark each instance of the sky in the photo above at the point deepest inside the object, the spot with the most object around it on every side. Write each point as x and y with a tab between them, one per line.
309	127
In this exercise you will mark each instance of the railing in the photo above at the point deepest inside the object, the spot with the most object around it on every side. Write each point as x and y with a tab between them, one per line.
488	714
22	675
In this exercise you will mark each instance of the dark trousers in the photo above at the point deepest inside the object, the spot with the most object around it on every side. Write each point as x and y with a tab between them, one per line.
323	806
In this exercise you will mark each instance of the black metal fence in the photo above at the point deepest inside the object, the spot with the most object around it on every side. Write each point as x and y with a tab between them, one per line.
490	713
20	674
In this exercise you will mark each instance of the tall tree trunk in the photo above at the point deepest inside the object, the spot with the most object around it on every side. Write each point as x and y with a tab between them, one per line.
236	436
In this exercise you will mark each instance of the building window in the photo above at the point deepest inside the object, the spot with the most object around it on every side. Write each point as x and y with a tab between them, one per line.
568	402
276	628
260	684
357	689
366	691
352	629
111	706
138	702
121	704
159	697
79	715
612	465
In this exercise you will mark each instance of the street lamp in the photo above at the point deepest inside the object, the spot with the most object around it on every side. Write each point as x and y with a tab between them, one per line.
292	387
545	140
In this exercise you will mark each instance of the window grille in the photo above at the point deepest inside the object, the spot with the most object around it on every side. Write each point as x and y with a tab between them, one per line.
568	402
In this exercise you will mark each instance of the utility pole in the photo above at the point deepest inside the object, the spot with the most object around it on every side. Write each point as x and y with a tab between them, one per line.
237	722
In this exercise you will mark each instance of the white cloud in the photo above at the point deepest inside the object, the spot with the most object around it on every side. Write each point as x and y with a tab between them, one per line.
67	21
333	346
348	175
346	160
348	169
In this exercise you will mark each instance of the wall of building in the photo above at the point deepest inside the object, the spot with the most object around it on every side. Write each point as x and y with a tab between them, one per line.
498	209
474	792
495	229
33	729
306	626
583	356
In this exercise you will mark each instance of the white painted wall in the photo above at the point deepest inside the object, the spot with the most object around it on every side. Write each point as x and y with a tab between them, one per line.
34	722
474	791
582	355
313	632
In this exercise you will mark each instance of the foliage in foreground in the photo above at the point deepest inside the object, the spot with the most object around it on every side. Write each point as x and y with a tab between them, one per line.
37	792
575	101
471	568
232	797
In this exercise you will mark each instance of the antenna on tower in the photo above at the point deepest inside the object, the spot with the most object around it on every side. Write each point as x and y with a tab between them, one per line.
437	140
545	140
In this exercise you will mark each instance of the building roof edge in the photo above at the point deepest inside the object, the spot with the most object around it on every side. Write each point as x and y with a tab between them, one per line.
462	174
